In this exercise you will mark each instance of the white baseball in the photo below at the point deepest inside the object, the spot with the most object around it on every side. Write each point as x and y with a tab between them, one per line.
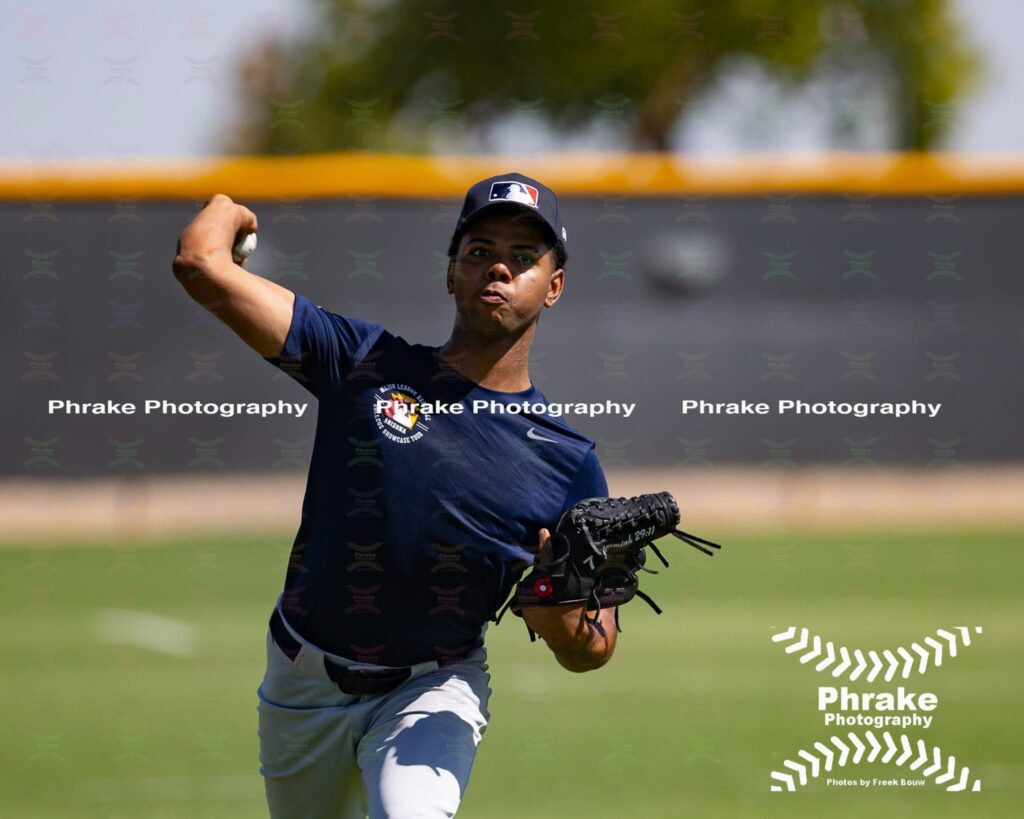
244	248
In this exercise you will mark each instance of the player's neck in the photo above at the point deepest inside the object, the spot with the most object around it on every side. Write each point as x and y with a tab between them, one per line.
501	364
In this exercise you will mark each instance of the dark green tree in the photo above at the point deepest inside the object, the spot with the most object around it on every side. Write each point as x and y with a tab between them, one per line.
402	75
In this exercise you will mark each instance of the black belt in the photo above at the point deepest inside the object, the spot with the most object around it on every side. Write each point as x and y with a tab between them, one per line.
362	682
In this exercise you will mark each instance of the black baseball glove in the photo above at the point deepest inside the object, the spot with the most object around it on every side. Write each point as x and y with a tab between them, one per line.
599	549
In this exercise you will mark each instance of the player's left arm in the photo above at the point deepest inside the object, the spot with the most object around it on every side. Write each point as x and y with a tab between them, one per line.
580	640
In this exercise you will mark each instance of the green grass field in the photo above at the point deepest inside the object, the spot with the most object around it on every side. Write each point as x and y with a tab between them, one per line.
696	709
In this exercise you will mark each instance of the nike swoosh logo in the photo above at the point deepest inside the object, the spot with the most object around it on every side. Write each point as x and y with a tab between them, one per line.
533	435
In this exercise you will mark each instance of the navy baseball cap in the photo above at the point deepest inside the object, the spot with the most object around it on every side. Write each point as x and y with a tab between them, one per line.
516	189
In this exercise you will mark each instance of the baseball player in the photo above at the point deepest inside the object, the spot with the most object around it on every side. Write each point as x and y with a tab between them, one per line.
417	521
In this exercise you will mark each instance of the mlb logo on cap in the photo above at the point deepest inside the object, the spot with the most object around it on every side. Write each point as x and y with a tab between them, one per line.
509	190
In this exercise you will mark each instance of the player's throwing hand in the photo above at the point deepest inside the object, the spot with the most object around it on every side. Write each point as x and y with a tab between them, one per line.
212	234
257	309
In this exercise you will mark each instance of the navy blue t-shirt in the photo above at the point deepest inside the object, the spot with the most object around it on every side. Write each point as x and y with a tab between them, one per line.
415	524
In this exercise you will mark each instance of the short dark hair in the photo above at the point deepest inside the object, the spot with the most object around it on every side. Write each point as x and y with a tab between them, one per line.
561	254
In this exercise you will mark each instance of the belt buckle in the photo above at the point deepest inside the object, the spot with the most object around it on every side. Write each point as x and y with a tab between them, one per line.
366	682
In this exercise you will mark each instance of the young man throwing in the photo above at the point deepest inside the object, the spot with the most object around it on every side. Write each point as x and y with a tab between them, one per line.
417	521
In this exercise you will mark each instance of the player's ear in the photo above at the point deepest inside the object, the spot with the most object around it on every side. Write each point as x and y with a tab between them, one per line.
555	287
450	278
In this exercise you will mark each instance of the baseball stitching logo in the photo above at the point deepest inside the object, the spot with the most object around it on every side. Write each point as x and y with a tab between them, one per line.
943	768
927	761
856	662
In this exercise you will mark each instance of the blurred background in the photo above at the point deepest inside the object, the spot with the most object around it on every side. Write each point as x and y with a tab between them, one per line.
765	200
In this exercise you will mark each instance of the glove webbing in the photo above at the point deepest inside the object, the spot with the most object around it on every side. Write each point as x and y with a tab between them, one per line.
592	520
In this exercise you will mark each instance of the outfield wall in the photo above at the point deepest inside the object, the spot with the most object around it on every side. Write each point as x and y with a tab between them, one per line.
820	298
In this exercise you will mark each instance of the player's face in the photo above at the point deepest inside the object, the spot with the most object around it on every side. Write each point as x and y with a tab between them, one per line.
504	275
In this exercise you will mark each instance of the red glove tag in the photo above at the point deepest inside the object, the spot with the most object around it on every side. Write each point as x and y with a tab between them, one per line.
542	587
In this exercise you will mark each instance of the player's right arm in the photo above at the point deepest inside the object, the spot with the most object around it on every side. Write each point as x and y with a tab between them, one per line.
257	309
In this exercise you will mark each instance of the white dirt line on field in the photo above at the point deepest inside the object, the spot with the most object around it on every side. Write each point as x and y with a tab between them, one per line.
831	498
145	510
51	514
142	629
